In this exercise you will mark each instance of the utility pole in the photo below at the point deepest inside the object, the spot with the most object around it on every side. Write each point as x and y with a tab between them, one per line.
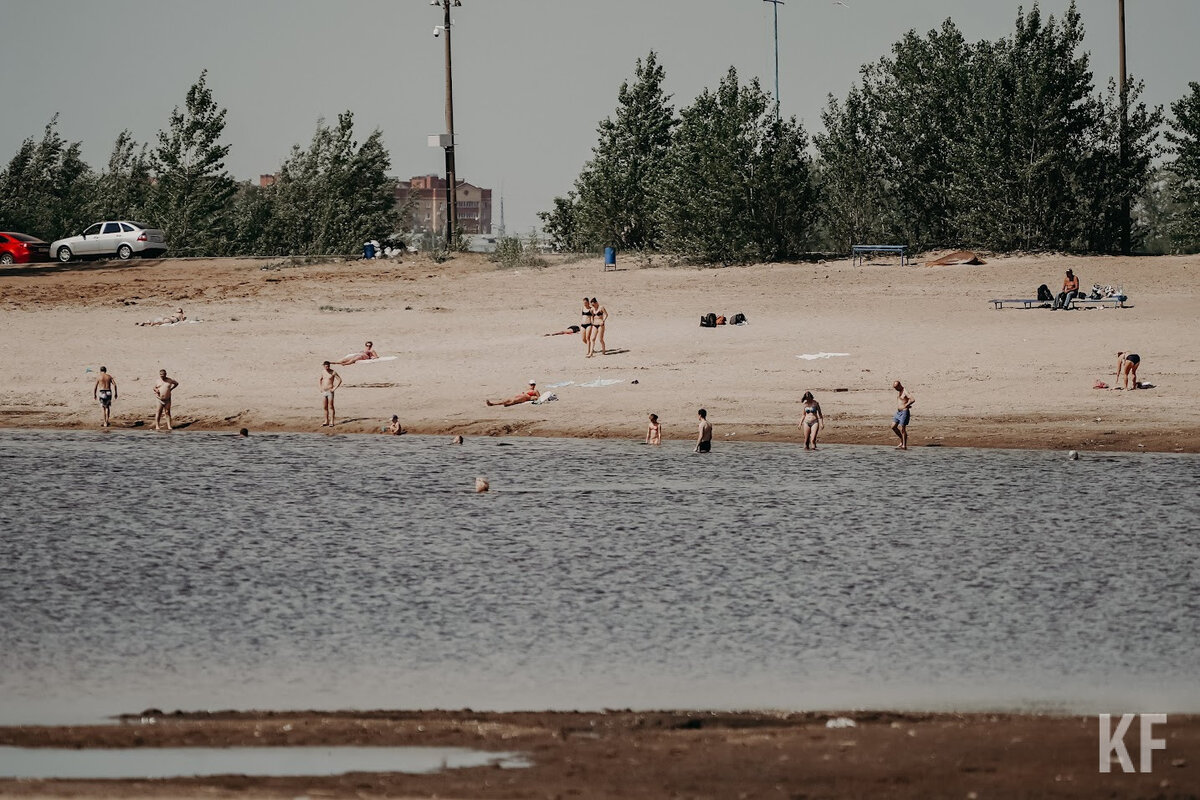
1123	134
451	178
776	4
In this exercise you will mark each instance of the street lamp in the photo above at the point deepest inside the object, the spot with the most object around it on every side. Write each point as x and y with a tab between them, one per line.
776	4
451	180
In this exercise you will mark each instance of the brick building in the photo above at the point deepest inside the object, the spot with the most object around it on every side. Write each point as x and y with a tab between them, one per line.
429	208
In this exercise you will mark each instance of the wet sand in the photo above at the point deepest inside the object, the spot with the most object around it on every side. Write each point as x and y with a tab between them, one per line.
467	330
625	754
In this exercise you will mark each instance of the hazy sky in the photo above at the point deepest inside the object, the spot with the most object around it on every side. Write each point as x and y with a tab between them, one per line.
532	77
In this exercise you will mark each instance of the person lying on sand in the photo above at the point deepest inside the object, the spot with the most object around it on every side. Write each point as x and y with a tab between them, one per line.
529	394
571	329
367	354
175	318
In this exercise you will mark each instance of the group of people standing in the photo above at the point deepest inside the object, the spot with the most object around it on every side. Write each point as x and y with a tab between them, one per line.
592	325
105	391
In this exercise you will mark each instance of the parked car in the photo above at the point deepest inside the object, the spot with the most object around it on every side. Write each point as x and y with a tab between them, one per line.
121	239
21	248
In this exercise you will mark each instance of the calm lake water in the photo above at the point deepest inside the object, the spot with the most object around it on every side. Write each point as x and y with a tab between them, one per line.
199	571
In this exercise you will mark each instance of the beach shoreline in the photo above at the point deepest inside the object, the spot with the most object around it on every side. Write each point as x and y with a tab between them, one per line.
467	329
626	754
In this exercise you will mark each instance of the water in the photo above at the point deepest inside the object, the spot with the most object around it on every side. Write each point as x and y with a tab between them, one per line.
176	762
198	571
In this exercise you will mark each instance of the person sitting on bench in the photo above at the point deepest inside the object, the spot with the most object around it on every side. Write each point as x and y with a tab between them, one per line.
1070	291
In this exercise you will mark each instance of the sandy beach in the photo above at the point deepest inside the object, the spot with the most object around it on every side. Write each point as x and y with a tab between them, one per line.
625	754
467	330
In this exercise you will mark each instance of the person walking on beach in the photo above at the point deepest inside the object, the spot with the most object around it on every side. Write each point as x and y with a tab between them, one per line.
329	383
105	391
585	324
704	432
526	396
904	403
162	390
1127	367
654	431
599	317
810	424
1070	291
368	354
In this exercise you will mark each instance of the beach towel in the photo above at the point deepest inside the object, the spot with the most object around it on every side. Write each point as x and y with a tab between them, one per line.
599	382
368	360
560	384
546	398
815	356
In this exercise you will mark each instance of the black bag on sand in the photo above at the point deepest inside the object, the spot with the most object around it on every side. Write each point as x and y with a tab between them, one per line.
1045	294
709	320
738	319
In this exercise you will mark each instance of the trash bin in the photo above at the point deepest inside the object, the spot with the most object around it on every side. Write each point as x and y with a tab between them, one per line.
369	250
610	258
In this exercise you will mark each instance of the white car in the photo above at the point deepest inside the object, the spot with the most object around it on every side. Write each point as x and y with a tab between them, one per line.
121	239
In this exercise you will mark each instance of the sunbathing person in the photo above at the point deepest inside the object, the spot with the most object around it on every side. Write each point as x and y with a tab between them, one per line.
367	354
524	397
175	318
570	329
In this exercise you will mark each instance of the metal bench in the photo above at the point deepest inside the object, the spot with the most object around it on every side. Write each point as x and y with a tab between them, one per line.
1116	302
1027	302
859	252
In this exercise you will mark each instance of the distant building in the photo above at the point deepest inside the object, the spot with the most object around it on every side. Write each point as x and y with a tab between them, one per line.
429	209
267	180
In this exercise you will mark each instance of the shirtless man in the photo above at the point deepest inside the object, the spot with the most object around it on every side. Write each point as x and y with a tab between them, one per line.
105	391
704	432
526	396
904	403
162	390
367	354
329	383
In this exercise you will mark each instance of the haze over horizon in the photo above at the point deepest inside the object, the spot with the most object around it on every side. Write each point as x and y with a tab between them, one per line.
531	80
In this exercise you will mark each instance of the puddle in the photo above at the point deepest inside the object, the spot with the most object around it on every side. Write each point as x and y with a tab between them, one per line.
183	762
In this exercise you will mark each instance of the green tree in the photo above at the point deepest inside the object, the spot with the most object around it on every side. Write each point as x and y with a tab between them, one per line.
334	195
738	184
616	199
1184	182
123	189
46	187
192	189
855	197
561	224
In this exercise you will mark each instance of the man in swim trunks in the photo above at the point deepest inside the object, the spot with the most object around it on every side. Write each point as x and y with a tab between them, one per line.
1127	367
105	391
329	383
367	354
162	390
526	396
704	432
904	402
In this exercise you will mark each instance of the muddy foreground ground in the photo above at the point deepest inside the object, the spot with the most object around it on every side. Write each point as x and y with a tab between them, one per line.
625	754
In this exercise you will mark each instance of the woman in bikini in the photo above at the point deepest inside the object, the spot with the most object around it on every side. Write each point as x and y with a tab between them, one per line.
811	423
1127	367
586	325
527	396
368	354
599	317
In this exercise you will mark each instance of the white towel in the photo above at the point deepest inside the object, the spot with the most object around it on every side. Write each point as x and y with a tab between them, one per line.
815	356
600	382
546	398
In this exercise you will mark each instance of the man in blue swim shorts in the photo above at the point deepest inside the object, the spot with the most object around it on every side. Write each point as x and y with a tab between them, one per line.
904	402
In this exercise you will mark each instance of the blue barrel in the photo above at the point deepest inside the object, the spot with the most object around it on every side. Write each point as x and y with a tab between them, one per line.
610	256
368	250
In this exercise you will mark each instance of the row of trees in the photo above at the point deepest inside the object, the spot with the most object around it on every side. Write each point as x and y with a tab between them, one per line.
328	198
1003	145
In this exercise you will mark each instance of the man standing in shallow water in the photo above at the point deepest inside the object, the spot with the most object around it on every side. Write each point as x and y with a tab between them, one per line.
329	383
903	414
162	390
703	432
105	391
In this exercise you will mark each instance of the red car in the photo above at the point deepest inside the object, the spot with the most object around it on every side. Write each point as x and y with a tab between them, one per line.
21	248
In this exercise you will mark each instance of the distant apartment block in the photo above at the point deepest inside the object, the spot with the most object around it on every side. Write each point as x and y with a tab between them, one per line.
429	207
